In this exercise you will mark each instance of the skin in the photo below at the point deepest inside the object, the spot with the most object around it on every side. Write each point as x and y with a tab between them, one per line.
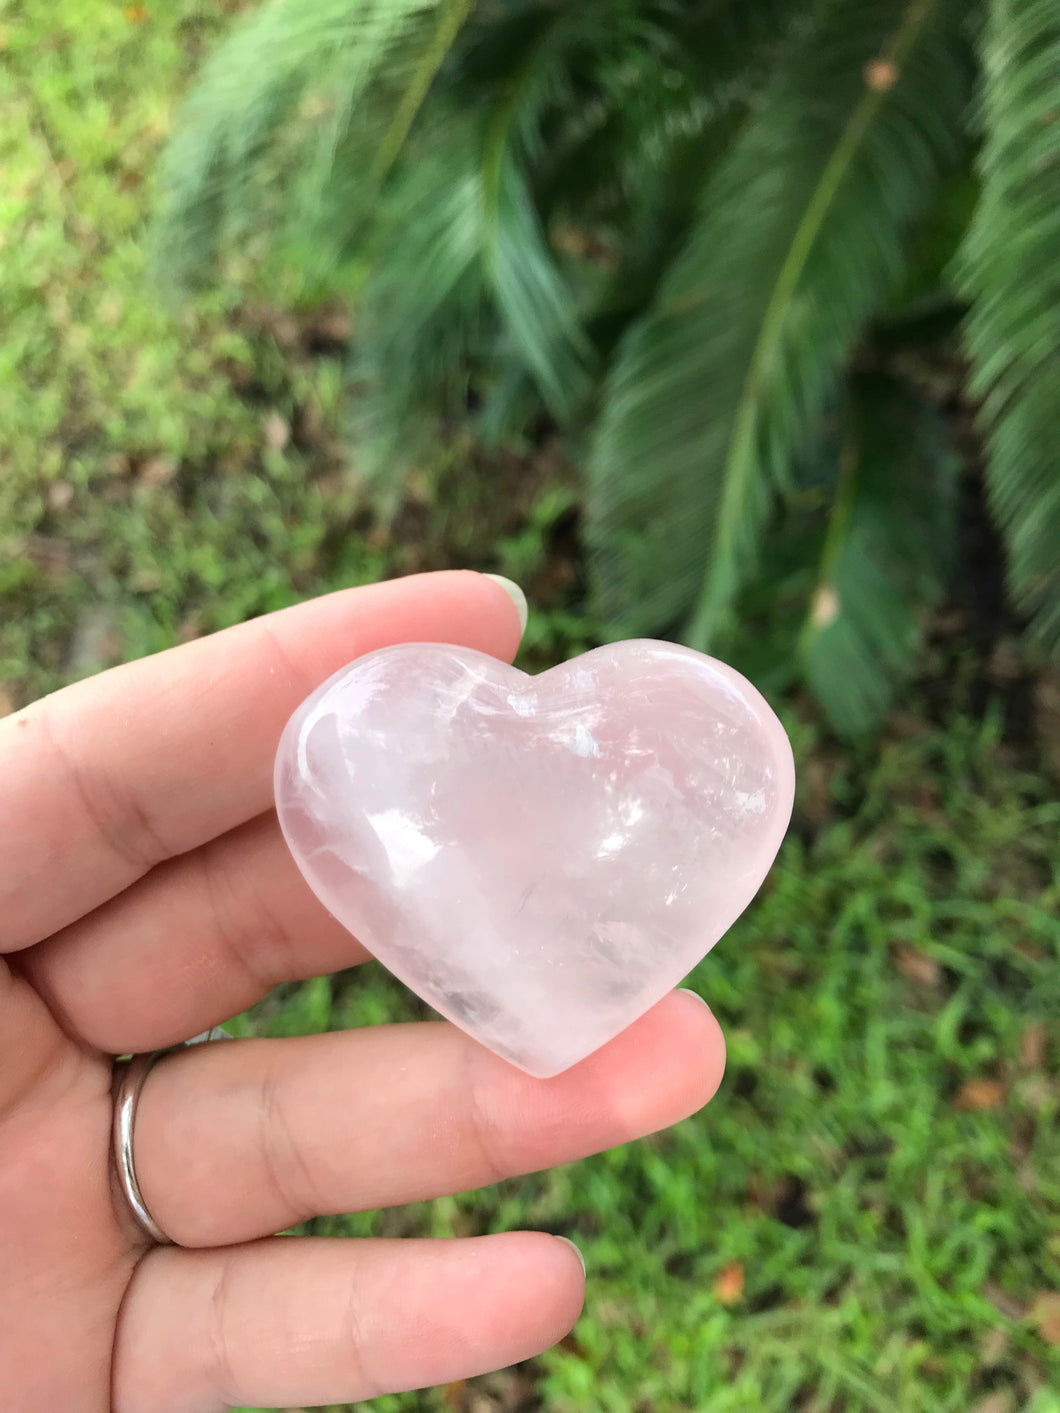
145	895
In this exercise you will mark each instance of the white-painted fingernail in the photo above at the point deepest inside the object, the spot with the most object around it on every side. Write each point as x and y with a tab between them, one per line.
687	991
515	594
576	1251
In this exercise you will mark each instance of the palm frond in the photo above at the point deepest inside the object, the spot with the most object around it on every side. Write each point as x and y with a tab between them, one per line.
650	108
423	308
800	237
885	556
533	299
1010	265
462	290
503	309
258	136
728	40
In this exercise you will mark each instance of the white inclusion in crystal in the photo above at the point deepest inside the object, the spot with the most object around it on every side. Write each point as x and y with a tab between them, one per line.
610	846
407	848
523	703
753	802
580	741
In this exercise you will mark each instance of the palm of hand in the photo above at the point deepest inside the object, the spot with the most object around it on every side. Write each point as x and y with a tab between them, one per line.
145	895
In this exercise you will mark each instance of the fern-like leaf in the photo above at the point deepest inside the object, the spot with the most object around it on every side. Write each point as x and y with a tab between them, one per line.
352	130
293	84
423	310
533	299
799	239
1010	265
886	553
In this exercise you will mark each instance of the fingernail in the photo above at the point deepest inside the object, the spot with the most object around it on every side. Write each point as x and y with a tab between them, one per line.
687	991
515	594
572	1246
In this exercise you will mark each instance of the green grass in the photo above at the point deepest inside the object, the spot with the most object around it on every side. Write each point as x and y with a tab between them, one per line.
134	477
165	473
892	1238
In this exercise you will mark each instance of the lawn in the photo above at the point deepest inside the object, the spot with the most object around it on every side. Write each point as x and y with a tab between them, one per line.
866	1218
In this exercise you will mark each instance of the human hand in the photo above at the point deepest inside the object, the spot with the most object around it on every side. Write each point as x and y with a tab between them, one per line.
146	894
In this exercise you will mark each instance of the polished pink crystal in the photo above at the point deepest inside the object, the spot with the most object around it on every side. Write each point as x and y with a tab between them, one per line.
539	858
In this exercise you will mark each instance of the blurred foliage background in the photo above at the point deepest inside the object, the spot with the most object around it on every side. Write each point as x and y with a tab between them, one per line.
736	322
724	247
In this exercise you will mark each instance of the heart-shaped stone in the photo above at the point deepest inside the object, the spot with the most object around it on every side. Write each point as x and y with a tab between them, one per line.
539	858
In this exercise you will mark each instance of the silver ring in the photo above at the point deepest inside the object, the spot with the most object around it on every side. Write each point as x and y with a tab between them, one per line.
133	1073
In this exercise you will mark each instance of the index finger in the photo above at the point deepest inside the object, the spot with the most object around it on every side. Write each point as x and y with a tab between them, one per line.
102	780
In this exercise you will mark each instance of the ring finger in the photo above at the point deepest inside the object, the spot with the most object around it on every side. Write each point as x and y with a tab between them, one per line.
241	1140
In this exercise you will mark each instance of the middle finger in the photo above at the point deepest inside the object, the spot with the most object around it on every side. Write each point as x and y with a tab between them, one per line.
238	1141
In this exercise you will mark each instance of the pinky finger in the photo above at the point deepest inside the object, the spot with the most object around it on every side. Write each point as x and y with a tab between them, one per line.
306	1321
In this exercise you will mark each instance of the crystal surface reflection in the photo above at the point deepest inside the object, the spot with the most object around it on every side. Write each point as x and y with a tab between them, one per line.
540	858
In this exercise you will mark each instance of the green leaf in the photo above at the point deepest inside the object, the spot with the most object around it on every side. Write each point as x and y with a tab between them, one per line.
462	287
277	102
422	313
800	238
1010	265
504	310
886	553
533	298
655	101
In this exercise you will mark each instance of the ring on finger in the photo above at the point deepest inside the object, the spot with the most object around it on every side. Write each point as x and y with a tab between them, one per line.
131	1074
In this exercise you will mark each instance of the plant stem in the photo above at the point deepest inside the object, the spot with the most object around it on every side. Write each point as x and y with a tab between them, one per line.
451	20
738	471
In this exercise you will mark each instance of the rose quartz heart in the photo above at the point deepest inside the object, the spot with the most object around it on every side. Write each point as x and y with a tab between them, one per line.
539	858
